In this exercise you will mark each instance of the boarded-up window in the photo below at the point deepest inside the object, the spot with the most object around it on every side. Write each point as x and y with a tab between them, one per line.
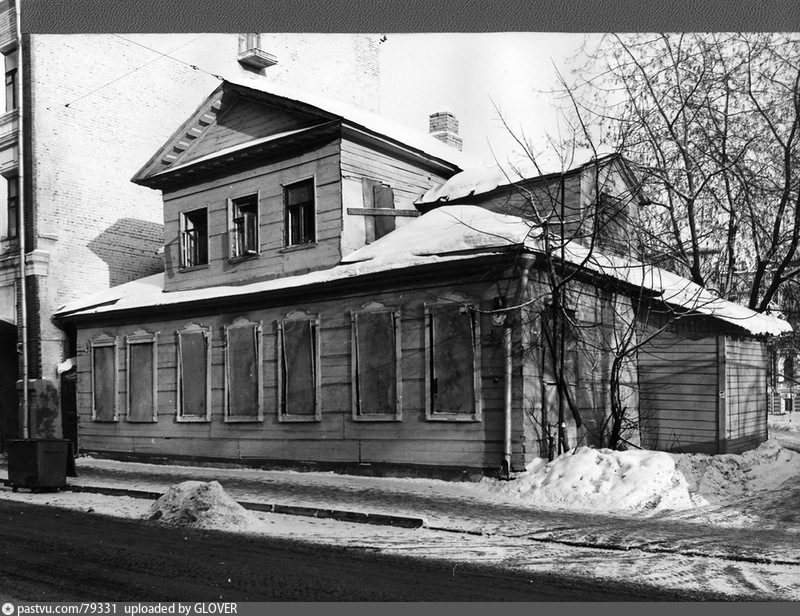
194	361
376	365
104	379
142	386
377	196
243	371
299	370
453	358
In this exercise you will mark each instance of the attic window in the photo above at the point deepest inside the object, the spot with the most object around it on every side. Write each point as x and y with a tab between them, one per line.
194	238
299	215
252	54
244	226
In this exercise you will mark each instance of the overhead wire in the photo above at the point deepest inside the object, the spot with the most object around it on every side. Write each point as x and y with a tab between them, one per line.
138	68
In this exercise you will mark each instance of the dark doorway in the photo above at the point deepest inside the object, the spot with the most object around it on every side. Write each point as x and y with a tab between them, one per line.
9	373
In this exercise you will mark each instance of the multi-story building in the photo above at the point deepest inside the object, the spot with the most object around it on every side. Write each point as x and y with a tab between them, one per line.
92	109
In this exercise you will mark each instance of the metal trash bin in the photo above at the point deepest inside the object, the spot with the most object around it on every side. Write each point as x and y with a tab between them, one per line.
38	463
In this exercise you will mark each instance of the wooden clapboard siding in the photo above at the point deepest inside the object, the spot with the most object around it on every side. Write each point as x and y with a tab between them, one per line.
678	391
746	362
336	437
243	121
273	261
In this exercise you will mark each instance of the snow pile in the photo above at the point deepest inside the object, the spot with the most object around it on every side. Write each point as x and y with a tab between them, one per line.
200	504
731	476
604	480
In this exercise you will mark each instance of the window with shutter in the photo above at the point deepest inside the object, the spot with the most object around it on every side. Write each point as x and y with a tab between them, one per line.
377	365
142	384
452	349
299	378
194	238
104	378
194	366
243	371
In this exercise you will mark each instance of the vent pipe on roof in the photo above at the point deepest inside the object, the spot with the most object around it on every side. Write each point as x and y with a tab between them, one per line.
444	126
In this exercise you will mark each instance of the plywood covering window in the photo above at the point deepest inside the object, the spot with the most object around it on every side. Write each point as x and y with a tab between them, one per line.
104	378
194	238
378	196
243	390
243	226
452	357
142	379
299	213
194	367
377	365
298	370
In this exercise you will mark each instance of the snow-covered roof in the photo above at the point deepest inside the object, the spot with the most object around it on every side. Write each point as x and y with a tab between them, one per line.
480	180
445	234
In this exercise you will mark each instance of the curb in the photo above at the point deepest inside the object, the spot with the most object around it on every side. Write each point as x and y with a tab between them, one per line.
340	515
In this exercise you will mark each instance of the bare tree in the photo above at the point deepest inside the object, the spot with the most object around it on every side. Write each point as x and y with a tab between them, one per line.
712	120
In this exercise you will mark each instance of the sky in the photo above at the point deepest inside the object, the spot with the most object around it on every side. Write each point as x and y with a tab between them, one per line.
474	76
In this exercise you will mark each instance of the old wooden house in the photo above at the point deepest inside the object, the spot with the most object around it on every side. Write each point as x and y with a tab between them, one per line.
328	299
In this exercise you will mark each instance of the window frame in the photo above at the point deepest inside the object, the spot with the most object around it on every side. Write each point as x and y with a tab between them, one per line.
180	417
430	309
183	231
10	69
314	320
398	362
103	341
234	252
141	337
286	220
258	333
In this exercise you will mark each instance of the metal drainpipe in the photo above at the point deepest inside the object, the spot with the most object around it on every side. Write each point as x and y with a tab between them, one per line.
527	263
23	299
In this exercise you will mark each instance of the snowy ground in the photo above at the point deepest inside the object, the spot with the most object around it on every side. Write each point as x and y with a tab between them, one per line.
756	490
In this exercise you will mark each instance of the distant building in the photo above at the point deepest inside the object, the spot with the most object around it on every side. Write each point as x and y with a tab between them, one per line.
92	108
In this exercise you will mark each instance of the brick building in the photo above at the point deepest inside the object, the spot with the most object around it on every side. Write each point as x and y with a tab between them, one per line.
93	108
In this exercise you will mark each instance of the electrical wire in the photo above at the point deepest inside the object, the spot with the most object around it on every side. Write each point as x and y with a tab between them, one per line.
138	68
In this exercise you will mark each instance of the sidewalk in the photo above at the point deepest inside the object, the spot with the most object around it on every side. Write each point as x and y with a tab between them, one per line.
443	506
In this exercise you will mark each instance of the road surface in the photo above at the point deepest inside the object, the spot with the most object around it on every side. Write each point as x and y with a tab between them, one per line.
50	554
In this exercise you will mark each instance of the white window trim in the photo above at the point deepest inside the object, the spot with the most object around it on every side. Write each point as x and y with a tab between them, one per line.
104	340
179	416
141	337
316	354
258	333
477	410
398	357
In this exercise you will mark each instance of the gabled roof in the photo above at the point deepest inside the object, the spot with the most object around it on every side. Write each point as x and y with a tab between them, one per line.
312	113
446	234
483	180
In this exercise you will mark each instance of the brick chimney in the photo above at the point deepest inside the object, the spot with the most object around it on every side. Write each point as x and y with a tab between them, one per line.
444	126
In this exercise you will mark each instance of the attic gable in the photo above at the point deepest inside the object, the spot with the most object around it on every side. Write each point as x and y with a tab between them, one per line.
228	121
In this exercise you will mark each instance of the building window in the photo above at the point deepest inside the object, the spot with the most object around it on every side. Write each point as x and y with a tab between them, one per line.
104	378
376	365
452	359
11	81
194	238
243	387
298	370
244	226
11	228
377	196
194	367
142	382
299	214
